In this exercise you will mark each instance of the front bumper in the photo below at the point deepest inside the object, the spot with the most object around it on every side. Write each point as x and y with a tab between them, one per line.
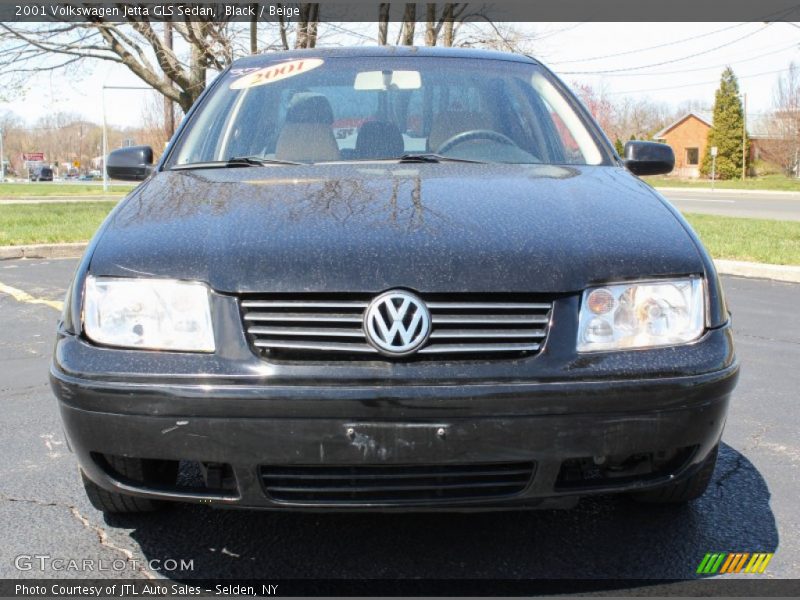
249	425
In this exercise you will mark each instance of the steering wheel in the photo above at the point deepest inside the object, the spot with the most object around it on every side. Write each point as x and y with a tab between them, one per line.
474	134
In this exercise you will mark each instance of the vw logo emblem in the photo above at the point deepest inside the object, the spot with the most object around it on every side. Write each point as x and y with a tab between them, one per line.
397	323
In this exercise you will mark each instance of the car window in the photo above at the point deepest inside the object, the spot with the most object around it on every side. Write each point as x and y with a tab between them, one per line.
359	109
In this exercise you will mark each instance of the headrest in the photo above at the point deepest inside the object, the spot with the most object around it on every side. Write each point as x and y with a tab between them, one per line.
308	107
379	139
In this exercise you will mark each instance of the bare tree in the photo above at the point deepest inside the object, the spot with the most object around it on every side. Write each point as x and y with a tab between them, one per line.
597	103
139	45
254	29
409	25
624	118
383	23
307	26
33	47
436	23
782	143
154	130
468	25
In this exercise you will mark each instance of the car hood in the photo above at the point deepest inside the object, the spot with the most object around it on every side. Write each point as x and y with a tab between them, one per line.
448	227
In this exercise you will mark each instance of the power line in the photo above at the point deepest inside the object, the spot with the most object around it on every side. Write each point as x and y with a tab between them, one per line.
688	85
548	34
671	61
638	50
732	62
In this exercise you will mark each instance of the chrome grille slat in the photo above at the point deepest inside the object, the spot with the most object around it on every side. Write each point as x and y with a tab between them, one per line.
463	348
305	317
331	346
504	319
488	305
331	328
307	331
303	304
487	333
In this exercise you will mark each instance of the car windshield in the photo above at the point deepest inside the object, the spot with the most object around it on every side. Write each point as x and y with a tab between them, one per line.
318	110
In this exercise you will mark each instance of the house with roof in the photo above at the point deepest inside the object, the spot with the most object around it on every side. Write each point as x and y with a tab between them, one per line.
688	136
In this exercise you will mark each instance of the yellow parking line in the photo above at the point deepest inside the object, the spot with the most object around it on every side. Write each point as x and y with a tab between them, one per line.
23	296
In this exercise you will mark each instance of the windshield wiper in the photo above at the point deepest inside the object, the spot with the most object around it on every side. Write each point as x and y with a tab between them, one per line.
236	161
435	158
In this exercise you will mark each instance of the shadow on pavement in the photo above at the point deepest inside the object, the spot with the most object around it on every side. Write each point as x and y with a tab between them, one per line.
604	537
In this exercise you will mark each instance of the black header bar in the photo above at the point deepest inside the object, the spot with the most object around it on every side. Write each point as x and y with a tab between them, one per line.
333	11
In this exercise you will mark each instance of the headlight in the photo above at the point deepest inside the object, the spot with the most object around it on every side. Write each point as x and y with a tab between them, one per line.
641	315
153	314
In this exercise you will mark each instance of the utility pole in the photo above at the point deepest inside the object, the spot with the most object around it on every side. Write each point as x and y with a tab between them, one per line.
254	30
2	159
105	140
169	112
744	138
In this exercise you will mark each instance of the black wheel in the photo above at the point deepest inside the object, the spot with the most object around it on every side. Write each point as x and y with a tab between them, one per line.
684	490
135	469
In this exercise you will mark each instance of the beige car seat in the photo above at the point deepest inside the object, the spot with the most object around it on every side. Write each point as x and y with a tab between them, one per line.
307	134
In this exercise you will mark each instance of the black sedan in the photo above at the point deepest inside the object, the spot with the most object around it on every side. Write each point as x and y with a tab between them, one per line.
392	279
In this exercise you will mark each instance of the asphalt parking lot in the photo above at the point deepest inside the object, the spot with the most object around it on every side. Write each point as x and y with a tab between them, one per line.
752	505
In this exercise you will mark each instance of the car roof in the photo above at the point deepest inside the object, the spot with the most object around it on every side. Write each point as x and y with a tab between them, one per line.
382	51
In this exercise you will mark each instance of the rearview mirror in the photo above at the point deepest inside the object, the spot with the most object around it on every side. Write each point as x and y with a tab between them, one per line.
385	80
648	158
134	163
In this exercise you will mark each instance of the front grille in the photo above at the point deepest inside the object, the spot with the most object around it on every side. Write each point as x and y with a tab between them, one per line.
394	484
460	327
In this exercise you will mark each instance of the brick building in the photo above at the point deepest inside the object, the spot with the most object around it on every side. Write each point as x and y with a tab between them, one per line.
687	136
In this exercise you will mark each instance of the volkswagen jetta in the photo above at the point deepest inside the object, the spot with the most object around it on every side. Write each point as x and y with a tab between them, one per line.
392	279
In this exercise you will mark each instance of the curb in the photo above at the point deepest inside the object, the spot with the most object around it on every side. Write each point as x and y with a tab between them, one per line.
58	199
687	189
737	268
740	268
74	250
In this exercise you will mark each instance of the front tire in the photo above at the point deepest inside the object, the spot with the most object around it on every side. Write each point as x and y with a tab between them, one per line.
684	490
135	469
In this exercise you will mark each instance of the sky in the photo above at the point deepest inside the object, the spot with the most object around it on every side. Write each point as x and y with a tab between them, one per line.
666	62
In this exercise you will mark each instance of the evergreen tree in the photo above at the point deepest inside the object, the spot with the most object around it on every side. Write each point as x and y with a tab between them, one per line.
726	133
619	147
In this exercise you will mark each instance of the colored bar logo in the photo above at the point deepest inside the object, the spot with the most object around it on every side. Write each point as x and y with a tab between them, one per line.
734	562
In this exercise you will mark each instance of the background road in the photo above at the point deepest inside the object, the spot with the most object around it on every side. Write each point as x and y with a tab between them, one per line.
752	505
733	203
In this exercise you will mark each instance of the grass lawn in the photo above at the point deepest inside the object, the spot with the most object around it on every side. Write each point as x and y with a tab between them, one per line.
22	190
49	223
768	182
756	240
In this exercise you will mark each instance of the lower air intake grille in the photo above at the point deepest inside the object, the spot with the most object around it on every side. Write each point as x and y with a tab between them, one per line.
395	484
462	326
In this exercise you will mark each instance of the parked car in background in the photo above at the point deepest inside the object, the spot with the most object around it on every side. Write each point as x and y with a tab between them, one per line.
466	301
42	174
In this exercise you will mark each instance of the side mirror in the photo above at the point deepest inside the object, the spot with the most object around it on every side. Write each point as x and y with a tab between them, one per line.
134	163
648	158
